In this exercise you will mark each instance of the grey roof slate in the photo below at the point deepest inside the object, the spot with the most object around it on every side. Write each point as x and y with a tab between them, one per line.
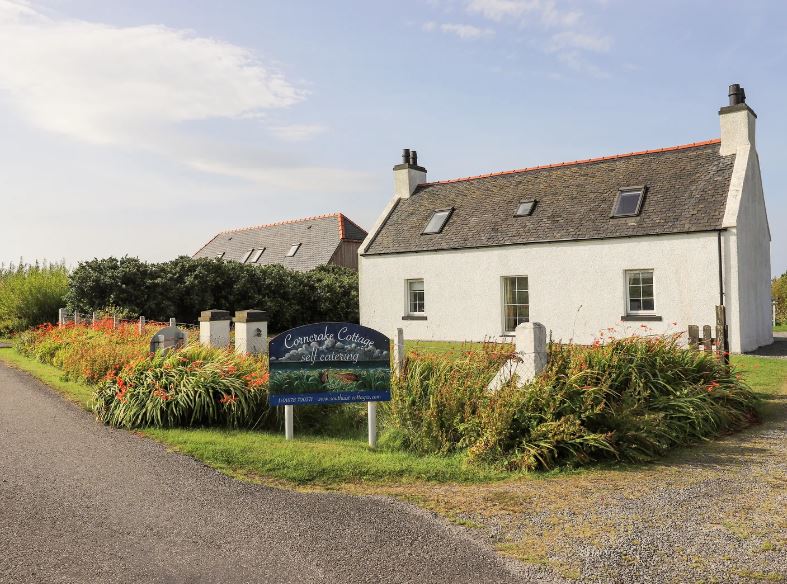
319	237
686	191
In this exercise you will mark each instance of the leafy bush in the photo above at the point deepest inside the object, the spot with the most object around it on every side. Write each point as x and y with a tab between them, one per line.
184	287
196	386
631	399
436	405
31	295
779	294
178	389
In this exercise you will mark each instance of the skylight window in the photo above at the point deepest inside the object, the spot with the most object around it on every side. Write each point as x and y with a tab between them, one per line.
257	255
629	202
247	255
525	208
293	250
437	222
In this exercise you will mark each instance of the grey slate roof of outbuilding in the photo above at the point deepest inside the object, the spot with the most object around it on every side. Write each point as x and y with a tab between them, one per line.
686	186
319	237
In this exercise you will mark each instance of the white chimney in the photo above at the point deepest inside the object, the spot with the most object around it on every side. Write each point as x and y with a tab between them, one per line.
408	175
737	122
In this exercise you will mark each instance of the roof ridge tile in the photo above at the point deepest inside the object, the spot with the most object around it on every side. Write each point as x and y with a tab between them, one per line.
575	162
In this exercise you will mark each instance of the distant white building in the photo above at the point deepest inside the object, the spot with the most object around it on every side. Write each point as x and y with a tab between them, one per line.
655	238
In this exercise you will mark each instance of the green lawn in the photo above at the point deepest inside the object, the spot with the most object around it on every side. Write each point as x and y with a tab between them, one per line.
780	328
323	461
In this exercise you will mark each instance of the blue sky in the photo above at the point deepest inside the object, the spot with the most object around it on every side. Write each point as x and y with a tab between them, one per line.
144	127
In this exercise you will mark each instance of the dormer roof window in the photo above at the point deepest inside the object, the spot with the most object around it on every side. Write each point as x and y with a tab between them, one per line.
293	250
437	222
628	202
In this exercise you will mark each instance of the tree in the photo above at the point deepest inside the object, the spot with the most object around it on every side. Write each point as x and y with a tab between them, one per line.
779	294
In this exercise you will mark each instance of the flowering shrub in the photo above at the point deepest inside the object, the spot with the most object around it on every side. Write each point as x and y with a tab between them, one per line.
196	386
87	352
630	399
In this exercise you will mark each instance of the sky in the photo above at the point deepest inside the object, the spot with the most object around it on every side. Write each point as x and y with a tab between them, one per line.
143	127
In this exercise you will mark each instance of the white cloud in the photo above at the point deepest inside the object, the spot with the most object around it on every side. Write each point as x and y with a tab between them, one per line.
298	178
544	12
107	84
297	132
570	39
467	32
428	26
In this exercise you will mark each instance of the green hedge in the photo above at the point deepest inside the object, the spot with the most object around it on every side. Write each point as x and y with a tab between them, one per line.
184	287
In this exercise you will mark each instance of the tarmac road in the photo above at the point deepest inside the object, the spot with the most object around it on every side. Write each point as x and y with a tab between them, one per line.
80	502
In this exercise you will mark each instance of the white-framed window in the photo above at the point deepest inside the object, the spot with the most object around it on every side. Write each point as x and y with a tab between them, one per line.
247	255
516	302
415	297
293	249
640	294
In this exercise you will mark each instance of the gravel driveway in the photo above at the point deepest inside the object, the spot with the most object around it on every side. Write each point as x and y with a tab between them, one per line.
80	502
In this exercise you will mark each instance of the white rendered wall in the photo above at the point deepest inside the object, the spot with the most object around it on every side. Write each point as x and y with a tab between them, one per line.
748	249
576	288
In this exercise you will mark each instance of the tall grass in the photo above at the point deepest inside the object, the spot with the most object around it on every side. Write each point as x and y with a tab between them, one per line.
30	294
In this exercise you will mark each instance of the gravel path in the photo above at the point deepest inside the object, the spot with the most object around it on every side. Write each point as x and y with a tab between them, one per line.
778	348
80	502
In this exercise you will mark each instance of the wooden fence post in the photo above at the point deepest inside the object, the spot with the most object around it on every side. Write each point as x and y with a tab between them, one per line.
707	338
399	352
76	317
141	324
694	336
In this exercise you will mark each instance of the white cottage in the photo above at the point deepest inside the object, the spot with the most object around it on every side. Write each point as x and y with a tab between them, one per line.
655	238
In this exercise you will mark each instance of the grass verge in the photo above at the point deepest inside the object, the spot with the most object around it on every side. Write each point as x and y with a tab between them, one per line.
333	462
269	458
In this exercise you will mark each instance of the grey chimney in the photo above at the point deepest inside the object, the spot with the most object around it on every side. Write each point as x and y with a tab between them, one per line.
408	175
737	122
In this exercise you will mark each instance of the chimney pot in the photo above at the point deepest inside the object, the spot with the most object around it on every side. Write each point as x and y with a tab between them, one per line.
414	157
736	94
406	156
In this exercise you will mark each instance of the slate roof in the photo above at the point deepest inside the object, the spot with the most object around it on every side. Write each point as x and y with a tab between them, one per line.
319	237
686	191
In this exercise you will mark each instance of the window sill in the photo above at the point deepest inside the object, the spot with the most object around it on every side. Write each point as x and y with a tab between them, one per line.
414	317
640	317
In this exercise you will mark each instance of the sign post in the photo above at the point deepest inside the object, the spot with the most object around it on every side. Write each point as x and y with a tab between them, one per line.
288	422
372	411
330	363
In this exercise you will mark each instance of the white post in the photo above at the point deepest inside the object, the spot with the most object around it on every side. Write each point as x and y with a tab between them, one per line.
214	328
76	317
372	410
114	320
61	317
251	332
288	422
773	310
94	319
530	341
399	352
141	324
172	322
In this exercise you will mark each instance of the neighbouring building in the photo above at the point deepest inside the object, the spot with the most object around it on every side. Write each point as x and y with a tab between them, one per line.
650	240
300	244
